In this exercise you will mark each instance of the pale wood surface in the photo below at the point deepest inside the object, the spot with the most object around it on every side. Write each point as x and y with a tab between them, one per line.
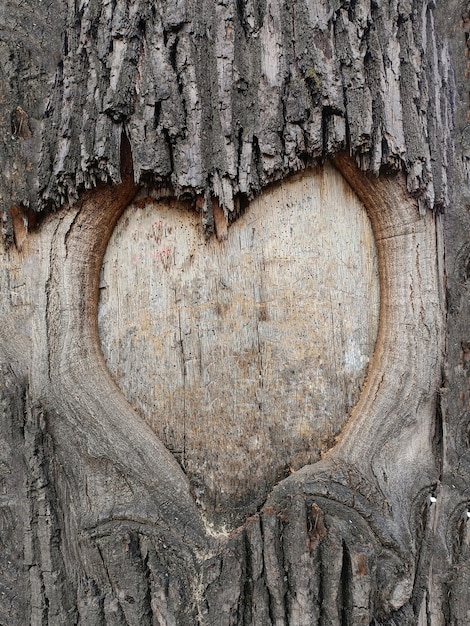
245	355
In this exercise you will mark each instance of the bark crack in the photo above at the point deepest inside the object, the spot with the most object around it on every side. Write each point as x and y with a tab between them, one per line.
184	376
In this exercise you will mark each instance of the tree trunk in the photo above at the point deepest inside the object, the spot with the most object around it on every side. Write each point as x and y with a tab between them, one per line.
234	352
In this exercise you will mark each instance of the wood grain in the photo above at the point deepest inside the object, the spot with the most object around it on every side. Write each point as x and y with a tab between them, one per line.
244	355
119	502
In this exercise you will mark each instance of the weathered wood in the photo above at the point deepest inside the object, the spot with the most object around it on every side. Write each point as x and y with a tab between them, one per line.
245	355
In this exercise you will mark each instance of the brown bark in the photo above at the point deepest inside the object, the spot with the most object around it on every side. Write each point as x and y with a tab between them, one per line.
211	102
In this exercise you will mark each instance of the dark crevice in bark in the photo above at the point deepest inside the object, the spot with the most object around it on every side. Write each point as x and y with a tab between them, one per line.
424	549
438	435
344	599
249	581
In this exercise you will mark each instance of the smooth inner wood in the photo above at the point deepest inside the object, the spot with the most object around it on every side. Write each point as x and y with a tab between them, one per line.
244	355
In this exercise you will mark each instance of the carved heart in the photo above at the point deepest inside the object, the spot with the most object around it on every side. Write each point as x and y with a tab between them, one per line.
244	355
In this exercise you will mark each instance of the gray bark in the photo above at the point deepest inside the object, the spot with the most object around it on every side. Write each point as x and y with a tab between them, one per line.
211	102
219	98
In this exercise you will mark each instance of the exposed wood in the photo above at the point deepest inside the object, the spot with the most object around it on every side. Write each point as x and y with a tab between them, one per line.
244	355
122	486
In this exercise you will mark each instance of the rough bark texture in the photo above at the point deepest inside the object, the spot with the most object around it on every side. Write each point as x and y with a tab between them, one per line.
448	587
212	101
218	98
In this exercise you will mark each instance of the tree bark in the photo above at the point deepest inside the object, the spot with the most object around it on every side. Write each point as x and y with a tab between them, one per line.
210	103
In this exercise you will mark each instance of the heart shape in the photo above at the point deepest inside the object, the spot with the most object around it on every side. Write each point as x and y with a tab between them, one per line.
244	355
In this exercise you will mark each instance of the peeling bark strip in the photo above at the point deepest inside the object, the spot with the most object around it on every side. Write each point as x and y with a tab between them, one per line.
220	98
